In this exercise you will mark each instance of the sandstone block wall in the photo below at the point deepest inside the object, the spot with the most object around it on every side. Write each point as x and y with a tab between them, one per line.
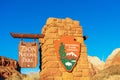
51	66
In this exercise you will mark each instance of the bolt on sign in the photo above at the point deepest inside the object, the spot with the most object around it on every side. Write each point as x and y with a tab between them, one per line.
28	54
68	52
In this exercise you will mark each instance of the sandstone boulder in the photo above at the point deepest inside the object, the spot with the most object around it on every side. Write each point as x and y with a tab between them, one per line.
8	67
113	59
98	65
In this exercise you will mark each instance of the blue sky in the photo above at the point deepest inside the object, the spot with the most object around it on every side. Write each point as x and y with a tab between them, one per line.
100	20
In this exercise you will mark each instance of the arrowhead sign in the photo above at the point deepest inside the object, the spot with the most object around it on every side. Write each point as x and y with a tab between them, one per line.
68	52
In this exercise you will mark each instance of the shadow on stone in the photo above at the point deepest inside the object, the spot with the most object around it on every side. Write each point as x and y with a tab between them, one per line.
40	60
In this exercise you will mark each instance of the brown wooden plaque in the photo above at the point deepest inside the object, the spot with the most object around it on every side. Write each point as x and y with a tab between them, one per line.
28	54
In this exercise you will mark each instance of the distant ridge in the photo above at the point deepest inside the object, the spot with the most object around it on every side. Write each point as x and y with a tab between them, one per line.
98	65
113	58
111	69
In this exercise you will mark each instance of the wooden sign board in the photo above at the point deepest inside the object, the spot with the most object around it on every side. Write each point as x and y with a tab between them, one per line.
28	54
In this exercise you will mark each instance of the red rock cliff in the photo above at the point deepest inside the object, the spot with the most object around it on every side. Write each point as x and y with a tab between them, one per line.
8	67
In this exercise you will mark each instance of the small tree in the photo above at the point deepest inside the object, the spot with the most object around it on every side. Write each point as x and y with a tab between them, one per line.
62	51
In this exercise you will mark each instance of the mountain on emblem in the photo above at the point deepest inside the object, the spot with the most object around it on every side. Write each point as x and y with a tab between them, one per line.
71	54
68	52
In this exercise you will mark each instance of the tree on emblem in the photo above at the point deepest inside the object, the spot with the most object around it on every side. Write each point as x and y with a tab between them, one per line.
62	51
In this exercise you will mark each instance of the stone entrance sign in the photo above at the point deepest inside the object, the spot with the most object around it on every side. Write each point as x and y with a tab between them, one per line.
28	54
52	68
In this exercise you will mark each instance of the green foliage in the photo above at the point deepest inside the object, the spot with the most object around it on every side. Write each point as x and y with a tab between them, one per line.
62	50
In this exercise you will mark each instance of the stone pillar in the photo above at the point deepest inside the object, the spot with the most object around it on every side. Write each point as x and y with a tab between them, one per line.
51	66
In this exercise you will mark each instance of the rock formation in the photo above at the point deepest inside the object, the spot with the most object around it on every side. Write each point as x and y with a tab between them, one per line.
113	59
110	73
92	70
8	67
111	69
98	65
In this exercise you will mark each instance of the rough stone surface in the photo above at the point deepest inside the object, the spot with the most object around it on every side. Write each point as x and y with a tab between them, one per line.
113	58
8	67
54	30
98	65
92	70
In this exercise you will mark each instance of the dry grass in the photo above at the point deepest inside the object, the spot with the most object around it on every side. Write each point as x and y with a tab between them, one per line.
111	73
113	77
30	76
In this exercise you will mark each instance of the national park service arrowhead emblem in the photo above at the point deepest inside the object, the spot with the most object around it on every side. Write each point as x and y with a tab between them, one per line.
68	51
